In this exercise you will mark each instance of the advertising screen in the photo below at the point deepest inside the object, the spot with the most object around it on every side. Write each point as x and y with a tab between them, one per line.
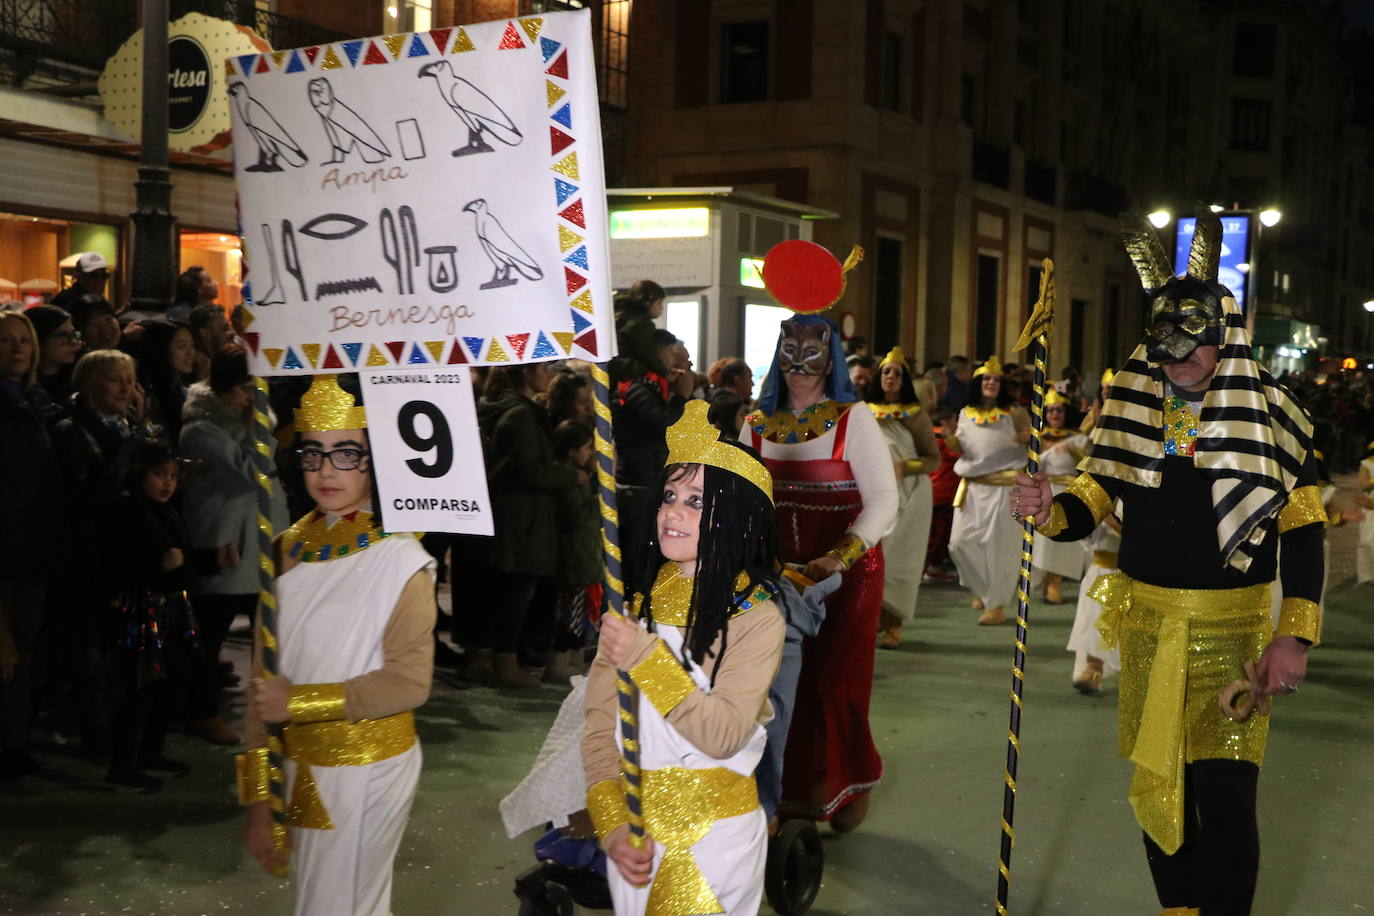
1234	272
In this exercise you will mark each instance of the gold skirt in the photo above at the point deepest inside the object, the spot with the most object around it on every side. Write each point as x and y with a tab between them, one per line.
1179	648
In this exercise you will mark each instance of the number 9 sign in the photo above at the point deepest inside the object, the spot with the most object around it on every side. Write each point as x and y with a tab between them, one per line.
427	451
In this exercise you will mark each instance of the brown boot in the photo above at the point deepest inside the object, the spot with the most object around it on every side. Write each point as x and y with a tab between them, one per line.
992	617
477	666
1054	588
848	818
563	667
1090	681
215	730
889	630
506	672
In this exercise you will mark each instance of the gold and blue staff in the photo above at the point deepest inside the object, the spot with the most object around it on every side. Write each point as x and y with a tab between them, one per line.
615	597
1037	336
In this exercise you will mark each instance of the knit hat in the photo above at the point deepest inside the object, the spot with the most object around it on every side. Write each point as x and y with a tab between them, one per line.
47	319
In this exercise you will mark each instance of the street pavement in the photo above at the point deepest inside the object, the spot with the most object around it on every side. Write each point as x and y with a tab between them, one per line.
70	846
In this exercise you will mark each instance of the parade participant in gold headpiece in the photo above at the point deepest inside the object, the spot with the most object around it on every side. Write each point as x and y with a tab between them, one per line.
1212	463
1061	448
837	498
355	653
702	645
990	437
906	426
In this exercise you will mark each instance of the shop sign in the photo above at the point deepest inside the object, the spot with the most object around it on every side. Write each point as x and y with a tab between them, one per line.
673	223
197	98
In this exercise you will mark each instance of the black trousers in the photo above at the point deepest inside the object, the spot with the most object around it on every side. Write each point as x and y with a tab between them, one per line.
215	614
1216	867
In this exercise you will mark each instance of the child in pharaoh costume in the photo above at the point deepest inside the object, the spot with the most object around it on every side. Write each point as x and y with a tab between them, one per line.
1212	464
355	650
702	648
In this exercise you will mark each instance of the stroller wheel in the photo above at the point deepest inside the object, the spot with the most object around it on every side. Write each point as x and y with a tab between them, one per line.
541	897
796	862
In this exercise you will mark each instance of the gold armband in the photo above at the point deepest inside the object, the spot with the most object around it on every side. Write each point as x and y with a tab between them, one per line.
913	466
1304	507
252	771
847	549
607	807
1335	518
1090	493
1056	523
316	703
662	679
1301	618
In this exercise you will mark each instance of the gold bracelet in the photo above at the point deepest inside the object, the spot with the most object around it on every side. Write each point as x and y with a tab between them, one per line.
315	703
847	549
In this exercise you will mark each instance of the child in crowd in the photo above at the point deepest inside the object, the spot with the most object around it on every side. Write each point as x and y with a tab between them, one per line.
702	645
580	565
635	314
153	630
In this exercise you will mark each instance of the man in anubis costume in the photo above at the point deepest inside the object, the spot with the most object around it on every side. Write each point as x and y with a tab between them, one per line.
1212	463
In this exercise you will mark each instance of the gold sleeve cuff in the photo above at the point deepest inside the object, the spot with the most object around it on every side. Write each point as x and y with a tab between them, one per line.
1304	507
1301	618
848	549
316	703
913	466
606	805
1335	518
1056	523
662	680
1091	494
252	771
952	443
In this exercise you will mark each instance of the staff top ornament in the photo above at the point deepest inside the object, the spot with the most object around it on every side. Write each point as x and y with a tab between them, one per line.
806	277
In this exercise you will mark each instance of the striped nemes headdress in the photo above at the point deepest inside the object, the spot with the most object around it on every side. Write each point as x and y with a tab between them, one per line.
1252	437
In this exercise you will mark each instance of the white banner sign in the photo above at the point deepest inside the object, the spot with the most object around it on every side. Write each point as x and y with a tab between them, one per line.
432	198
422	426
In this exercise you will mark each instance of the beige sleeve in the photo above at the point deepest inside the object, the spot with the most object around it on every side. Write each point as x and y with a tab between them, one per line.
1020	418
720	723
600	756
407	657
923	434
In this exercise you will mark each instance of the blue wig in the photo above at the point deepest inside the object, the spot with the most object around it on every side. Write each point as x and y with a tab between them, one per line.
838	387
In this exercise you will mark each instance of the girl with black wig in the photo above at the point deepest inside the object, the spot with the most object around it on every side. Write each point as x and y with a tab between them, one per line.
703	652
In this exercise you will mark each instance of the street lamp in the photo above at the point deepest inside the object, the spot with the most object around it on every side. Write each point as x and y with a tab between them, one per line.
1270	216
1369	305
1160	218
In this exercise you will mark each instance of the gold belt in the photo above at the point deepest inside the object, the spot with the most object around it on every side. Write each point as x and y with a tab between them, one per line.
1158	748
339	744
680	806
995	479
1104	558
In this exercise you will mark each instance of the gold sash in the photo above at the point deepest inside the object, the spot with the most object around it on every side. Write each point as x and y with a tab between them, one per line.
1179	647
680	806
1104	558
995	479
339	744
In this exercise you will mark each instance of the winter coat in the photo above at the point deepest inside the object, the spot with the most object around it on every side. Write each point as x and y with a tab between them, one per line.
524	480
580	560
642	417
32	491
634	334
220	490
94	458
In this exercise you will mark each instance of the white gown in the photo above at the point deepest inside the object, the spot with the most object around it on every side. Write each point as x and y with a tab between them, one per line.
732	854
1067	558
1084	640
904	548
985	542
1364	553
332	619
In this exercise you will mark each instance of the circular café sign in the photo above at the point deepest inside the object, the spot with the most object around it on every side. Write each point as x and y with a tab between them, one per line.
188	83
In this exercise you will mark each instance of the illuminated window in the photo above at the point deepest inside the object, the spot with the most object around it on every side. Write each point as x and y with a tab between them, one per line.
761	326
611	25
409	15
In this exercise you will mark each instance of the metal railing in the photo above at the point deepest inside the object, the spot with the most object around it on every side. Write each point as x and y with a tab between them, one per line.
86	33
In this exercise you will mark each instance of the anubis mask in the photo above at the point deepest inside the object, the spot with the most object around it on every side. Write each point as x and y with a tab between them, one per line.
1185	312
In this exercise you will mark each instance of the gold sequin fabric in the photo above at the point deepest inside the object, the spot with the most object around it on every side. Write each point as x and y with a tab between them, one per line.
315	703
328	408
252	769
1090	493
662	679
339	744
693	440
607	807
785	427
894	411
680	807
1180	428
1304	507
1179	647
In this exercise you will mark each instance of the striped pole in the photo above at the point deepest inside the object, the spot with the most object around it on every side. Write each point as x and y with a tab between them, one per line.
615	595
267	608
1036	335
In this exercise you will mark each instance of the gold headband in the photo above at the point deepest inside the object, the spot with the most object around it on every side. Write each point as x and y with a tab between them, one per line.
693	440
1053	398
992	367
327	408
894	356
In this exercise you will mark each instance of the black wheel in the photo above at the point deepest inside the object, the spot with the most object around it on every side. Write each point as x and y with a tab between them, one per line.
541	897
796	862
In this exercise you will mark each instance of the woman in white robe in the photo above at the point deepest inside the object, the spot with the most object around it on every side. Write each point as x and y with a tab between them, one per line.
1061	449
990	438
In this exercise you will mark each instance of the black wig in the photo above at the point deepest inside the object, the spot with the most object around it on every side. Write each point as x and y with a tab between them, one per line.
738	535
874	392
